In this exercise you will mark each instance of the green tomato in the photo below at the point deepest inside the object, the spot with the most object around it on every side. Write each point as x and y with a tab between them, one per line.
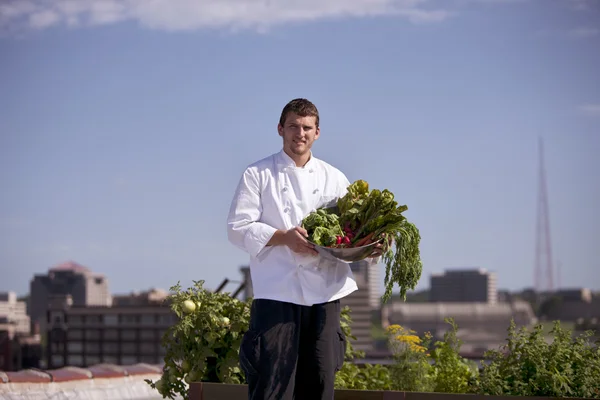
173	378
185	366
159	385
225	321
193	376
189	306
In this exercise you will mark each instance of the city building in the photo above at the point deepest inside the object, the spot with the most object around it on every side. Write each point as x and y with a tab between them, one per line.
18	348
149	297
84	287
14	313
125	334
464	285
481	325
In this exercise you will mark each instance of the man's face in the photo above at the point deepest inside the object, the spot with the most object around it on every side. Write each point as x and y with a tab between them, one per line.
298	134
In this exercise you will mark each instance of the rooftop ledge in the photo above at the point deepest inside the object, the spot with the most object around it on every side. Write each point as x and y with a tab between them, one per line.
102	381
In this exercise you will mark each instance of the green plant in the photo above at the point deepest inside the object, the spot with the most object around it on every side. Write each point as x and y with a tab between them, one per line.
204	343
352	376
411	370
529	365
451	372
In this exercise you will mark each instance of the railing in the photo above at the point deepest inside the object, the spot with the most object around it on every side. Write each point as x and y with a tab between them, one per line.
221	391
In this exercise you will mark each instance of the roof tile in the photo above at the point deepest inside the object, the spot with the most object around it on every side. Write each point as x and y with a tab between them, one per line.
69	374
29	376
142	369
107	371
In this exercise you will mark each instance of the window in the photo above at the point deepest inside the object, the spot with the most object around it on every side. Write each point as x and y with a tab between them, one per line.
92	360
111	334
148	359
147	334
128	360
75	360
128	334
57	361
110	359
75	334
111	348
128	348
129	319
148	348
111	320
148	319
92	334
74	347
93	319
57	347
92	347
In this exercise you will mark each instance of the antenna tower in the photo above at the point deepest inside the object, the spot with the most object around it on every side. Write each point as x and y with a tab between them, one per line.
544	273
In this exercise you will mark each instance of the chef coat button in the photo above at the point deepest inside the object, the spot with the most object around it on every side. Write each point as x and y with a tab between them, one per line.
284	189
286	210
301	266
310	170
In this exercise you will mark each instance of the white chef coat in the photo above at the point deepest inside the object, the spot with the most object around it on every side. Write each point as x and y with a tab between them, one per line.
272	194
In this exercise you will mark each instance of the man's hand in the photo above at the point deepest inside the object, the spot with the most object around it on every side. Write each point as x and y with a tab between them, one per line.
295	239
378	249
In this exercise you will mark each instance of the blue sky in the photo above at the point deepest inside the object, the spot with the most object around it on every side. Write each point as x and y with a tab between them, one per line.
125	126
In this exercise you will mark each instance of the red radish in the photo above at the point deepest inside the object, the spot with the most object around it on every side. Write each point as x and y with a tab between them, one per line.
346	240
338	240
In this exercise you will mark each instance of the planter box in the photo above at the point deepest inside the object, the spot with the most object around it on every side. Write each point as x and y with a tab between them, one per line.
221	391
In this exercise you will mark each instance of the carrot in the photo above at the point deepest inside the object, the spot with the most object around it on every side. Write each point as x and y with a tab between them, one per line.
364	240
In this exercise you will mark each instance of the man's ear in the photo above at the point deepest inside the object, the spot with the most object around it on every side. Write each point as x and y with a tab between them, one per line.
317	133
280	130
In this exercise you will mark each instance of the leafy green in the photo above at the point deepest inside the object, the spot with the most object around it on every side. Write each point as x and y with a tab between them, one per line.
367	216
323	226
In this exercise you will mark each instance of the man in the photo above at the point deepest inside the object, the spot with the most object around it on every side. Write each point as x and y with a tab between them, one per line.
294	345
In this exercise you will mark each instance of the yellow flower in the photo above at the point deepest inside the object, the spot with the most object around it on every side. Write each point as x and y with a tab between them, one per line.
408	338
393	329
416	348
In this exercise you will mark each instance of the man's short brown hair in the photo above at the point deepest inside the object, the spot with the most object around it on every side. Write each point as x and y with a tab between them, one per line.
301	107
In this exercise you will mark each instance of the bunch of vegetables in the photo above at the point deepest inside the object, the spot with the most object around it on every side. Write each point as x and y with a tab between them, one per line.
364	216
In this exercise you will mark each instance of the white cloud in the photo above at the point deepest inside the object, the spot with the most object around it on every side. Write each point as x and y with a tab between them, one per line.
186	15
581	5
590	109
584	32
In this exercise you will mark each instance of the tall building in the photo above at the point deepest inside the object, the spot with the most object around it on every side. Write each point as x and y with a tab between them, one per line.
84	287
464	286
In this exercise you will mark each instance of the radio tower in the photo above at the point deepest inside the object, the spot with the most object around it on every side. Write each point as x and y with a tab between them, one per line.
544	272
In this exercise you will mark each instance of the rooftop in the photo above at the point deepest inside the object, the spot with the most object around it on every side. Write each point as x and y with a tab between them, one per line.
100	381
70	266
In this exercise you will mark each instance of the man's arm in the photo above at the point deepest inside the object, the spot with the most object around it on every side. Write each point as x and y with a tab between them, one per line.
246	232
243	227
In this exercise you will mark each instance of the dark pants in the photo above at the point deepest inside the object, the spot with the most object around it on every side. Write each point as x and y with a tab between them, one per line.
292	351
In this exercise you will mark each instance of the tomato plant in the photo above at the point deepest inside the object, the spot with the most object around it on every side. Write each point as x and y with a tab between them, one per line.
204	343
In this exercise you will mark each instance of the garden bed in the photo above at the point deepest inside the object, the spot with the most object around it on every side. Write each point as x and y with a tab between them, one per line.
223	391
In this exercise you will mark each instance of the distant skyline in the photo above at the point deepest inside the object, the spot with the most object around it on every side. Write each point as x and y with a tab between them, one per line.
125	126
